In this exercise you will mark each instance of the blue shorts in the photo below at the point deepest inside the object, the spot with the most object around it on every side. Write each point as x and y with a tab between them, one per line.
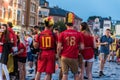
30	56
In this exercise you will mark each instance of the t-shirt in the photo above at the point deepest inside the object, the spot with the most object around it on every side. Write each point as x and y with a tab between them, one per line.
28	43
113	46
88	51
105	48
21	46
14	35
2	40
70	40
47	41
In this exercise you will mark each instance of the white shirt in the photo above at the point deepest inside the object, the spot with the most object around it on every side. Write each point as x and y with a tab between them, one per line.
29	42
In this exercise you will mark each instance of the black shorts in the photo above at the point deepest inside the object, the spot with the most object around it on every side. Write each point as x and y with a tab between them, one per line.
22	59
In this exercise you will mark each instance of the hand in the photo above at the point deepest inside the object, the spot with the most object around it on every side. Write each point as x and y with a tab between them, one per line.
105	43
1	43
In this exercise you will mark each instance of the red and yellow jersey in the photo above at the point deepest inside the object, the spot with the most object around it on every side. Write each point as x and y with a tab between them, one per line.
47	40
70	40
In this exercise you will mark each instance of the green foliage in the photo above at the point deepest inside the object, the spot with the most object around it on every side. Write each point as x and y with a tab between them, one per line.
60	25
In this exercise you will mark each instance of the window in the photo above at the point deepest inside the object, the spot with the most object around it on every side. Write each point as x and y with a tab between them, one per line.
18	15
9	13
106	25
33	8
43	13
3	12
19	1
32	20
0	12
42	2
23	19
24	5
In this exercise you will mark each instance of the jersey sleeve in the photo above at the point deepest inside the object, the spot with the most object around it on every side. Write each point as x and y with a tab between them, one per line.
60	38
36	38
81	38
11	36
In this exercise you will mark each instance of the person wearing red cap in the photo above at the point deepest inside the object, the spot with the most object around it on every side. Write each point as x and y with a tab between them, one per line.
69	43
46	58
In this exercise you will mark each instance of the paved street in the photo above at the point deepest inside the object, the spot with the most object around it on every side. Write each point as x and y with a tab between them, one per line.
112	72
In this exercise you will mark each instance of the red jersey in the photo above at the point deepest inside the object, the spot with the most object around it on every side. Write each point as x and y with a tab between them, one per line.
1	47
21	46
46	40
14	36
2	40
70	40
88	51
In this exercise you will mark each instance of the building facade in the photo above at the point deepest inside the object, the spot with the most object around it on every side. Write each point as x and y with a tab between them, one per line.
59	14
19	12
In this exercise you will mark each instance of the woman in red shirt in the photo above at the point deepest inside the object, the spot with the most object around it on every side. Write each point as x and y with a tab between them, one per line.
6	43
21	59
88	51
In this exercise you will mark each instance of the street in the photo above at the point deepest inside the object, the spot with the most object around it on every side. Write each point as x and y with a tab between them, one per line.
111	71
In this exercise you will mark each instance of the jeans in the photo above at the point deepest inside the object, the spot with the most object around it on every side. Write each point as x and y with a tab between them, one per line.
4	68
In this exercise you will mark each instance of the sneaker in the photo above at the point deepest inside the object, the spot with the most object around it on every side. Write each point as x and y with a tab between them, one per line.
101	73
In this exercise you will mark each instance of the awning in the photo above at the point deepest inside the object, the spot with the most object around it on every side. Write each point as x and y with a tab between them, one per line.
17	28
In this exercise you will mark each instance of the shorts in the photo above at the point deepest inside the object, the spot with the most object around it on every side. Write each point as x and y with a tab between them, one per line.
89	60
46	63
103	56
80	60
30	56
69	63
22	59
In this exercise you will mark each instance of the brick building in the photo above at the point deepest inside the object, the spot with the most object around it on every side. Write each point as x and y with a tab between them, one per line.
19	12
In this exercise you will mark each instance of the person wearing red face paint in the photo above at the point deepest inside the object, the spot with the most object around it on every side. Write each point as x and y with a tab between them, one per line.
69	42
46	58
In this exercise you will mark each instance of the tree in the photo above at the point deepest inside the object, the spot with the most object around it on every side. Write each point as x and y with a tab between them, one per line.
60	25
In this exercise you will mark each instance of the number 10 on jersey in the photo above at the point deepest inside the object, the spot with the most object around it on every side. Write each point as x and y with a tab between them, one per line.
46	42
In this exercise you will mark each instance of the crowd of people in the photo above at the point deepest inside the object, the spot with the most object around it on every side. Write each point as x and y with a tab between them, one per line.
74	50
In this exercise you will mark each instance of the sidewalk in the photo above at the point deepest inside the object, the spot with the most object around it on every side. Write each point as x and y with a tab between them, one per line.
112	72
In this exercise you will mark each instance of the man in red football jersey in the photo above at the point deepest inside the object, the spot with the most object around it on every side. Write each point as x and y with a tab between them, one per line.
69	43
46	59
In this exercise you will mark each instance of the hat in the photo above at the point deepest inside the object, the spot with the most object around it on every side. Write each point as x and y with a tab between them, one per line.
70	18
49	22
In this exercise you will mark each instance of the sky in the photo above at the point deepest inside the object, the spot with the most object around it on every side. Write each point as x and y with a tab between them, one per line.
86	8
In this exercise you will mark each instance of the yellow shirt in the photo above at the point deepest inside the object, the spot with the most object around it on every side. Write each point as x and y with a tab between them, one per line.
113	45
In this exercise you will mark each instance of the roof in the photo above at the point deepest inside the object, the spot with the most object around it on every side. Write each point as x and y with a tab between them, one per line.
60	12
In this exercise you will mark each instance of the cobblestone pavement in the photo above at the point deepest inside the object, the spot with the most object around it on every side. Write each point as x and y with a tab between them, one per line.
111	70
